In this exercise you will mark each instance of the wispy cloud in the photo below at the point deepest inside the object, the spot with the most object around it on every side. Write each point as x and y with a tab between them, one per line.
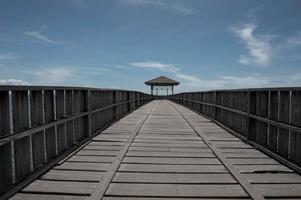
156	65
253	13
182	10
42	37
258	47
13	82
112	66
53	76
294	41
7	56
233	82
58	75
92	70
172	6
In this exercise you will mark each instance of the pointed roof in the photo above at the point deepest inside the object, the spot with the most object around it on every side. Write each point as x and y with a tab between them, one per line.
162	80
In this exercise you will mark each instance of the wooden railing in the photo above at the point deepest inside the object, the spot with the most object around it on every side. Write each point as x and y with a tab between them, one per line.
38	124
270	118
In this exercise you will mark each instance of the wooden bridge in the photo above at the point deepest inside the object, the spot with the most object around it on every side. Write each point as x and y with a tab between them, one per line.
161	150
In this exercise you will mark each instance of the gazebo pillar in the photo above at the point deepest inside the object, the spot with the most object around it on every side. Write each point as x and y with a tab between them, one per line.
172	89
152	88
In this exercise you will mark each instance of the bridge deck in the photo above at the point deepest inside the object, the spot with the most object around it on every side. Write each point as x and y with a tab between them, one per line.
165	151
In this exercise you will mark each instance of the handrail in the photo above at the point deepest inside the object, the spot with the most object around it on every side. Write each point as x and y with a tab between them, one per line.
15	136
269	118
38	124
273	122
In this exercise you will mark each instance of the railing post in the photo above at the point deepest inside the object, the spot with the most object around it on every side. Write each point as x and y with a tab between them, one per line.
115	107
129	103
248	117
89	110
215	108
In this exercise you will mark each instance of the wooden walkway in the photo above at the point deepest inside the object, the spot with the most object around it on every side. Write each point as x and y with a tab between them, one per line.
165	151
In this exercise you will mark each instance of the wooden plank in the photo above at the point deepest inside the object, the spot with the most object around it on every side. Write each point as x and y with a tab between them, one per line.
98	143
25	196
273	178
172	178
158	141
20	110
181	145
171	154
67	175
102	148
172	168
83	166
279	190
175	190
97	159
262	168
169	137
4	113
156	198
181	161
245	155
22	158
5	167
252	161
60	187
166	149
154	133
96	153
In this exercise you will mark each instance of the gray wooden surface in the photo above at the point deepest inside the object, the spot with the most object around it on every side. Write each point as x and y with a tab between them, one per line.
155	154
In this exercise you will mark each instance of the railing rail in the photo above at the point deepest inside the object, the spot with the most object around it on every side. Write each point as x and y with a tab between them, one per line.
37	124
269	118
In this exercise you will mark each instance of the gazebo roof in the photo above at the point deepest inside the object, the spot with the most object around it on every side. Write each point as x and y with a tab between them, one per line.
162	81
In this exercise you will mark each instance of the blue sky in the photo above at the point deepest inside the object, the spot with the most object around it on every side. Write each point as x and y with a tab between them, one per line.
204	44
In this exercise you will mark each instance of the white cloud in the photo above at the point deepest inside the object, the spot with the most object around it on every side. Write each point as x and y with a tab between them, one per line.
294	41
156	65
92	70
13	82
182	10
8	56
176	8
144	2
60	75
259	48
38	35
122	67
52	75
192	80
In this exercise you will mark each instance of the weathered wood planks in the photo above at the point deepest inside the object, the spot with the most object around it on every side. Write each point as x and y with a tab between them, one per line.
158	164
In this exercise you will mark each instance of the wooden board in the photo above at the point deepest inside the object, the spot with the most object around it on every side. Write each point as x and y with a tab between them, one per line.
175	190
83	166
67	175
43	186
170	160
25	196
172	168
173	178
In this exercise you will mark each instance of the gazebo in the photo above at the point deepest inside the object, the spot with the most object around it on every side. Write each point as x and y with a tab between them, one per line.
161	83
